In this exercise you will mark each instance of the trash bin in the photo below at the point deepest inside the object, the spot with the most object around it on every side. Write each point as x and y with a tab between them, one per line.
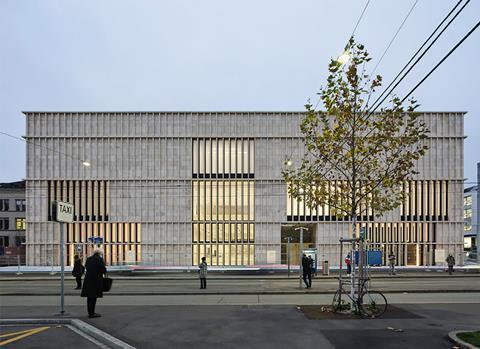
325	268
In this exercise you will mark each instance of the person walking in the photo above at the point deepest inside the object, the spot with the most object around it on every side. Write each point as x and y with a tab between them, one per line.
78	271
391	263
348	262
451	262
93	283
202	273
307	271
312	269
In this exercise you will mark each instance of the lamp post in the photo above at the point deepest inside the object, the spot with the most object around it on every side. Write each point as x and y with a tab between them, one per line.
288	238
301	229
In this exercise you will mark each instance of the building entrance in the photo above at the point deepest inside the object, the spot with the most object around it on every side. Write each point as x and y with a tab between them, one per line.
412	255
288	230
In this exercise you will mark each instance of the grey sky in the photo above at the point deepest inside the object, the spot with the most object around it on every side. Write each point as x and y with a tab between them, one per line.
216	55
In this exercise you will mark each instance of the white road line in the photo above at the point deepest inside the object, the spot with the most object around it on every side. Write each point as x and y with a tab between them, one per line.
86	336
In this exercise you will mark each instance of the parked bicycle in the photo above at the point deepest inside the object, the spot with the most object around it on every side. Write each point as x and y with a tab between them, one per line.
367	303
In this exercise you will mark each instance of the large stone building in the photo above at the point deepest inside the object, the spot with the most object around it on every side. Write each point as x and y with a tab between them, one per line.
166	188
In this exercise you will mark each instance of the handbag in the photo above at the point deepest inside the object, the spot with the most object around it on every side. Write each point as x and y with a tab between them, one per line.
106	284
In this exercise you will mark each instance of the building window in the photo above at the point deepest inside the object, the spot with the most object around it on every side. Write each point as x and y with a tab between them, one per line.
4	223
20	224
20	204
90	198
223	158
467	213
467	200
4	205
223	201
19	240
4	242
425	201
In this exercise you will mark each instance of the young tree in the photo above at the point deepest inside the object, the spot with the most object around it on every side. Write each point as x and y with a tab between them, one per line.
356	160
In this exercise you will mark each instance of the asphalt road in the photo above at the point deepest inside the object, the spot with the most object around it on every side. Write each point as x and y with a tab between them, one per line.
231	285
49	336
247	326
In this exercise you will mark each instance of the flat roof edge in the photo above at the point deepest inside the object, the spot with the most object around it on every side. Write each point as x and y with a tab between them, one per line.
201	111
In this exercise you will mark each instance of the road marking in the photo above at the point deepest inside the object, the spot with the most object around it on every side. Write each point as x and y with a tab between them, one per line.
22	334
87	337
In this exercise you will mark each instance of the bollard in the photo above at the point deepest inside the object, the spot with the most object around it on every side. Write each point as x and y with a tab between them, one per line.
18	265
52	272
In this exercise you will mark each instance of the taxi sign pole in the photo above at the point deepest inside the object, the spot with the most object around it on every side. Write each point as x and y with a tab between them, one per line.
62	268
63	213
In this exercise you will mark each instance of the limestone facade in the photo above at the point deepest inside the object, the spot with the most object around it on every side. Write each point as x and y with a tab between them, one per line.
138	193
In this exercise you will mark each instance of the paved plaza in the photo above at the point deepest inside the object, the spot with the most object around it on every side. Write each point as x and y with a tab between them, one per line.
165	311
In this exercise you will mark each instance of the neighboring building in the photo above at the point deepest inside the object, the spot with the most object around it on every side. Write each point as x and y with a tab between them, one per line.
12	221
470	227
471	214
165	188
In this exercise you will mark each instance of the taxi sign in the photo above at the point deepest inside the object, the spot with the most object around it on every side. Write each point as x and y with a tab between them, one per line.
62	211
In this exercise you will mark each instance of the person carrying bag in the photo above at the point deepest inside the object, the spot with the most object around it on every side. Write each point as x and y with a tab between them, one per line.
94	285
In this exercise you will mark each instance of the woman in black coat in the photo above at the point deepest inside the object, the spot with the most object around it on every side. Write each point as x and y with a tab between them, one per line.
78	271
93	283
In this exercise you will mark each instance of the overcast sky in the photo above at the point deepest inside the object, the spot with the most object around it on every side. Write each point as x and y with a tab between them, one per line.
253	55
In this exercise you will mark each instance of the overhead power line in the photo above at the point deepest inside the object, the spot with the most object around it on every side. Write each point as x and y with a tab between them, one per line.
394	37
389	88
441	61
41	146
360	19
351	36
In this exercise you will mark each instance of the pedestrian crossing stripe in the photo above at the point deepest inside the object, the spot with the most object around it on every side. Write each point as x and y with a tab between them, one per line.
21	334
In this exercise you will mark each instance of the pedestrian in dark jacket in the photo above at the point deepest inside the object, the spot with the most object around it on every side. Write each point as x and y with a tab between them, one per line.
202	273
93	283
451	262
307	271
78	271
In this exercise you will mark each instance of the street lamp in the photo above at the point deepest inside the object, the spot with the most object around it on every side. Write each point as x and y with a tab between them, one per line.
301	252
288	238
343	58
85	163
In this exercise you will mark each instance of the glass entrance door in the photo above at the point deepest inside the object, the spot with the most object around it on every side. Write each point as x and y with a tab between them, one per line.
288	231
412	253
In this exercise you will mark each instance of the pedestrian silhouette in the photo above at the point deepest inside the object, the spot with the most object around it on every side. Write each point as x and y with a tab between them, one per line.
78	271
93	283
451	262
202	273
307	271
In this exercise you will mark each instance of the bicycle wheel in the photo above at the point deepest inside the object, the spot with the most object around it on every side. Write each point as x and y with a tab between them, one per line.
373	304
338	302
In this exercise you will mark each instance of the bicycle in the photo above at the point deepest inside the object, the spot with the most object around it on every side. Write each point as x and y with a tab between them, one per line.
370	304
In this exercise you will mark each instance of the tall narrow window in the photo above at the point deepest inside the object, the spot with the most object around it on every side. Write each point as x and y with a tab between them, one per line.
223	201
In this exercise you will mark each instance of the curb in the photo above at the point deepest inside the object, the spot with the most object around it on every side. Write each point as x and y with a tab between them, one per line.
263	277
453	337
80	325
273	293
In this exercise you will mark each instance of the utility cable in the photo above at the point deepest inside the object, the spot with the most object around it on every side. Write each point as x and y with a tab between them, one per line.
360	18
351	36
41	146
441	61
394	37
418	51
380	100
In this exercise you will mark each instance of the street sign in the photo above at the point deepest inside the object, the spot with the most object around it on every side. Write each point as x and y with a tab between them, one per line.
95	239
79	248
362	233
62	211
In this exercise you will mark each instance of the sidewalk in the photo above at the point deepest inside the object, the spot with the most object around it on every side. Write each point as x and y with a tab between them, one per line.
262	271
